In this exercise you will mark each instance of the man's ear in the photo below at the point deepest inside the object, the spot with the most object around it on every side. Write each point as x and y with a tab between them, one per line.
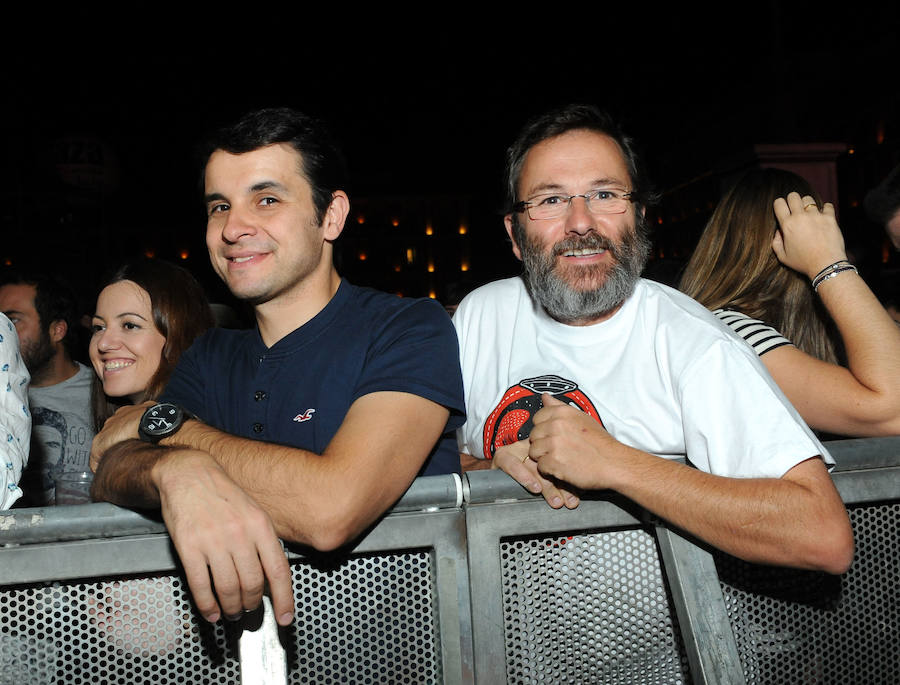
508	222
58	330
336	215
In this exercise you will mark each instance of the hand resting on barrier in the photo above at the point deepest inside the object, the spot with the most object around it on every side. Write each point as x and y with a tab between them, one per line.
227	499
226	542
570	446
514	460
762	520
558	456
221	534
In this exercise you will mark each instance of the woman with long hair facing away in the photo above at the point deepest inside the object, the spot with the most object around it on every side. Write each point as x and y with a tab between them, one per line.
147	314
771	263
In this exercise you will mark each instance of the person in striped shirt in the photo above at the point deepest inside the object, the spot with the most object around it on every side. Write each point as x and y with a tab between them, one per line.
771	264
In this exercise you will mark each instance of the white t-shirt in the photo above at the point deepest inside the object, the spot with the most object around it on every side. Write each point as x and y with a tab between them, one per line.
662	375
15	419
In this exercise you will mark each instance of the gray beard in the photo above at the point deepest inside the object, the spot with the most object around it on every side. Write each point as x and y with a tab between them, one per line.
565	301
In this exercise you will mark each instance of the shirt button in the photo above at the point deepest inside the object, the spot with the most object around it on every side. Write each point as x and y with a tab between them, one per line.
259	395
257	428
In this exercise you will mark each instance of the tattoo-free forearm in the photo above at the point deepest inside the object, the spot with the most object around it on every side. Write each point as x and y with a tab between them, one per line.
123	476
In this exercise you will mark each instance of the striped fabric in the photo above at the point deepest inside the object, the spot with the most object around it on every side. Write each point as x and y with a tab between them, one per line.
762	338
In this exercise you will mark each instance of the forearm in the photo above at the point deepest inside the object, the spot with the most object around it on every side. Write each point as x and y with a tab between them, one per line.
797	522
871	338
864	398
286	481
326	500
123	476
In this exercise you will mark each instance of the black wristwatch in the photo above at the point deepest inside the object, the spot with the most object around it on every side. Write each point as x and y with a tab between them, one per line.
162	420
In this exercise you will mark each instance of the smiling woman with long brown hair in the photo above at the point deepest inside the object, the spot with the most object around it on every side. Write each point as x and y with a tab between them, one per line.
772	265
148	313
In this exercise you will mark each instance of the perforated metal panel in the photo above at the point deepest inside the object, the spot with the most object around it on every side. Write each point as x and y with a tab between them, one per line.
592	608
800	627
370	619
136	630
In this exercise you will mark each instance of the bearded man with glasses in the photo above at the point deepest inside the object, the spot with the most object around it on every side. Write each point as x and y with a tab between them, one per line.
581	375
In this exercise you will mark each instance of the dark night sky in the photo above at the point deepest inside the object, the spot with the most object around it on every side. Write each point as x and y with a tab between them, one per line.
433	103
426	103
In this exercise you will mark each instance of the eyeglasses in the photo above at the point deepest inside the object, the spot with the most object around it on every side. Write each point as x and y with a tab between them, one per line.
554	205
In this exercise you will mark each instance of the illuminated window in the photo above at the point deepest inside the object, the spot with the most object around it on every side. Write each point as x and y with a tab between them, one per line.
432	295
410	255
464	266
462	229
395	222
362	256
150	253
184	254
431	267
360	219
429	230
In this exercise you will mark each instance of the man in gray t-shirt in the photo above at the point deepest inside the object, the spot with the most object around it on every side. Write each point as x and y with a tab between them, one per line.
62	429
43	311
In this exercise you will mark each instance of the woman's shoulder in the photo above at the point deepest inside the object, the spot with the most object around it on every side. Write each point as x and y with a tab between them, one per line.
758	334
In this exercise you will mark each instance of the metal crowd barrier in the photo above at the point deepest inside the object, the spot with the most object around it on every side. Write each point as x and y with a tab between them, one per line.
468	580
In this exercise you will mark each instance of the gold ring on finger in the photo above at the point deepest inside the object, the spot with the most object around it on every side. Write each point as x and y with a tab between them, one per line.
811	204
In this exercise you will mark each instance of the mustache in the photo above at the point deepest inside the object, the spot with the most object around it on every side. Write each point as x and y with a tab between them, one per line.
591	241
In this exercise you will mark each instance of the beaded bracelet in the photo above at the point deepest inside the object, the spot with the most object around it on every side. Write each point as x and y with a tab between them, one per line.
831	271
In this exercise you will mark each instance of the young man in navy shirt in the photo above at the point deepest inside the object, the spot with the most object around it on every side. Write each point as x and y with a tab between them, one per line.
308	427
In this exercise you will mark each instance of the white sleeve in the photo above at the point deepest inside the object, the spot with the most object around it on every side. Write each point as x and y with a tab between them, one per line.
15	418
736	420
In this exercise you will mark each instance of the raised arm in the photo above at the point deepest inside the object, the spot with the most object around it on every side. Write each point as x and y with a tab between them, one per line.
863	399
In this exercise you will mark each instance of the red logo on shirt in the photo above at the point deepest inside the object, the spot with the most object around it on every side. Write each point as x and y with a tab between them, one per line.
512	419
305	416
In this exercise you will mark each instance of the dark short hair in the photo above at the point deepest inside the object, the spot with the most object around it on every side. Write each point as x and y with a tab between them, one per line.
883	201
322	162
572	118
54	300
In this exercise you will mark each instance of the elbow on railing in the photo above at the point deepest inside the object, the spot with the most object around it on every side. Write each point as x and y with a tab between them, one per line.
829	548
837	550
326	532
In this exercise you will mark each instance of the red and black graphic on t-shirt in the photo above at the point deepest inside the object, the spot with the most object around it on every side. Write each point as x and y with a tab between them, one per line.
512	419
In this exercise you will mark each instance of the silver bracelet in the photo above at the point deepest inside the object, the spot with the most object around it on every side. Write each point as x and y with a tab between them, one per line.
831	272
830	267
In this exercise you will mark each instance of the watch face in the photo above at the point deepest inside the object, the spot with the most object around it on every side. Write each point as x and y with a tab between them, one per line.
160	420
